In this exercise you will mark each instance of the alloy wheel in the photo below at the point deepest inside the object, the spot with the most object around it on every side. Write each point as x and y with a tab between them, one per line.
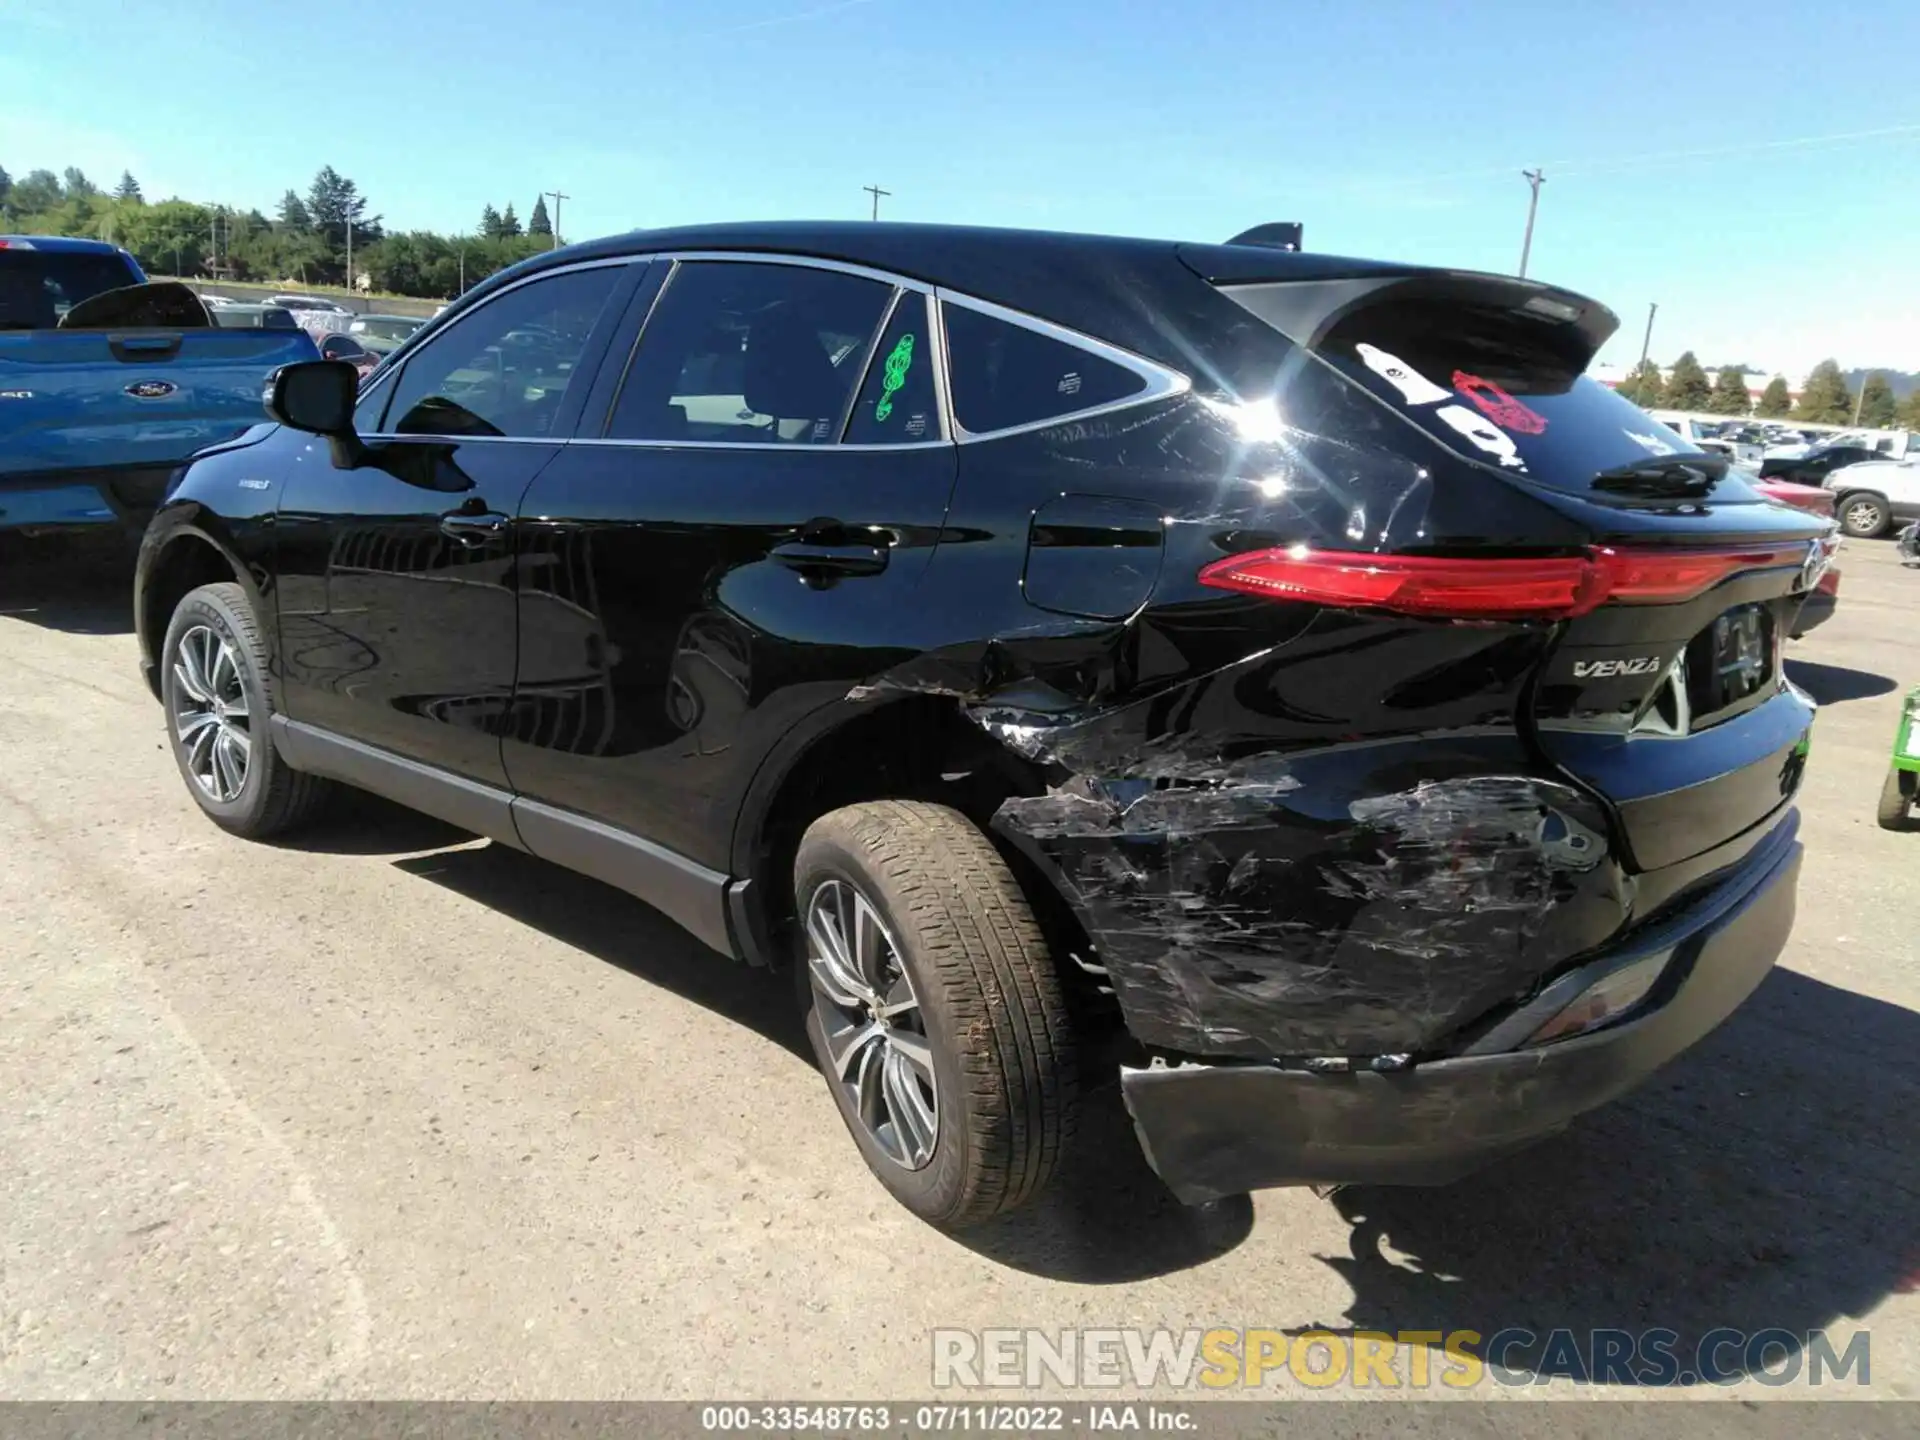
211	718
1863	517
870	1018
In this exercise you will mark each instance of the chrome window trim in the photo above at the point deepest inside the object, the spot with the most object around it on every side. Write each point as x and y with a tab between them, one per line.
383	375
1161	382
786	447
866	364
811	262
899	284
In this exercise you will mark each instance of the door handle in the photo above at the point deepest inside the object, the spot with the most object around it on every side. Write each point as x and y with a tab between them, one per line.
810	558
470	528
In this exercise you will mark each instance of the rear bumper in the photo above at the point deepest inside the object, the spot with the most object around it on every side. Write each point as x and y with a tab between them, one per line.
1215	1130
125	496
1815	611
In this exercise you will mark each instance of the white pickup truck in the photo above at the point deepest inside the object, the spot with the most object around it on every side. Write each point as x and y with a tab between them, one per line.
1871	494
1701	434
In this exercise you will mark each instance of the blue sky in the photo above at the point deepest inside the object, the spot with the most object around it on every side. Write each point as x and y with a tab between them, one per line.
1754	167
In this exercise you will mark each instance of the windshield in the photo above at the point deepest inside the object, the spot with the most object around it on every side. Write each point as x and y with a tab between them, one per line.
37	287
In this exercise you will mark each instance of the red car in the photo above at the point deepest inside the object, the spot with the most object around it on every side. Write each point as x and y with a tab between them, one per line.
1819	605
345	347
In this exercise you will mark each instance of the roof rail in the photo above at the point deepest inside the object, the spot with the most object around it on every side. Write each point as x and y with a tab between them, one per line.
1280	235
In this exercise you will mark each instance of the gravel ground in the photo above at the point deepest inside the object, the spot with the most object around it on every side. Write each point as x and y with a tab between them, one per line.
396	1113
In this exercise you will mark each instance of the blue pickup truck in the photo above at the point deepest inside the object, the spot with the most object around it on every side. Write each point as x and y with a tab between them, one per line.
108	383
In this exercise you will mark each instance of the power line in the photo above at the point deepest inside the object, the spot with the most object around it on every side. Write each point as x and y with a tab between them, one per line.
1596	163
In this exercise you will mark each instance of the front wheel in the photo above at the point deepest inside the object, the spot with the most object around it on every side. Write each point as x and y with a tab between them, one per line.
934	1008
219	697
1863	515
1895	801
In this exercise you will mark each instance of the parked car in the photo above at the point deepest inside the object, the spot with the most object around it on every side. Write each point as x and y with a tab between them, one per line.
345	347
1812	464
107	383
1044	644
1824	595
314	304
254	317
383	334
1699	434
1871	495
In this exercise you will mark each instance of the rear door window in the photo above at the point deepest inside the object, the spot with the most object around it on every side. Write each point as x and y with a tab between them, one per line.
899	404
750	353
1006	375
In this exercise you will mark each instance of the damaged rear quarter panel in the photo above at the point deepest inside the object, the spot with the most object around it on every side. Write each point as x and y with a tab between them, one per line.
1254	890
1288	831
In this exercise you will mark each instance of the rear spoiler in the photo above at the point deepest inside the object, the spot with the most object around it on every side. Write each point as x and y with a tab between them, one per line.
1305	296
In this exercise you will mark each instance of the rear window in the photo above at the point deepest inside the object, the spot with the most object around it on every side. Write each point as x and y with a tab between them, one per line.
37	287
1005	375
1494	385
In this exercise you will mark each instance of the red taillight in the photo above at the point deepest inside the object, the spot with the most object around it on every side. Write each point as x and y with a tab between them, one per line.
1665	577
1410	584
1499	588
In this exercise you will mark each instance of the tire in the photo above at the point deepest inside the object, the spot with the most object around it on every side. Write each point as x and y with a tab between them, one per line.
1863	514
216	629
1895	802
988	1001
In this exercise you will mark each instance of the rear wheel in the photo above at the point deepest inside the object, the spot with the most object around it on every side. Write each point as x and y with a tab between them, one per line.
934	1009
1863	515
219	697
1895	800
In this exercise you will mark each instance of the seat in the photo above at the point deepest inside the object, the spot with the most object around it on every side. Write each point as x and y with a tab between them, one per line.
25	303
790	376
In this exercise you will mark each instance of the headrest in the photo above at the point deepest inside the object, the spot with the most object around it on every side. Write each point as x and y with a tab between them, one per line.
788	374
24	302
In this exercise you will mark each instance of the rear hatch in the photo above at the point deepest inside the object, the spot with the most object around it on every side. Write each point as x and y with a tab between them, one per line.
1664	693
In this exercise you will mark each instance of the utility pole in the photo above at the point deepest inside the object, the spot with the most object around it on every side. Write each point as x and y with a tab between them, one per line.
1535	179
1646	342
350	286
463	272
876	192
556	197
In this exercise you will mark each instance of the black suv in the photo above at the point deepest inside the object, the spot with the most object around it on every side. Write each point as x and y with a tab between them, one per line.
1285	679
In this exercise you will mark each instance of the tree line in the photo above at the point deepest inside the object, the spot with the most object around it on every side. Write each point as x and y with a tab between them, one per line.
306	240
1826	398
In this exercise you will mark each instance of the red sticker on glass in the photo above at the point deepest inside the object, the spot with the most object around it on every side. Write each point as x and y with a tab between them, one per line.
1498	406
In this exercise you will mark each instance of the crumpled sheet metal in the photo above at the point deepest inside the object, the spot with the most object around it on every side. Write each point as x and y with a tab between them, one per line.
1237	917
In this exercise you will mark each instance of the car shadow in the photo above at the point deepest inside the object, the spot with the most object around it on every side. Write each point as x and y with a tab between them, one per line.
613	926
1832	684
83	587
1106	1218
1761	1182
356	822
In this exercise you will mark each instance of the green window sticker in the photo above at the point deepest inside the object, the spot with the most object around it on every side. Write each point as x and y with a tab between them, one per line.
898	361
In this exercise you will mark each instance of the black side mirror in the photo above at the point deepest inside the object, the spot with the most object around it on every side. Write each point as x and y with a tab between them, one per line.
316	396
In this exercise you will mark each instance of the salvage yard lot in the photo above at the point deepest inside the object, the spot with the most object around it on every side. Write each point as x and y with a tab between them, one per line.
395	1112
